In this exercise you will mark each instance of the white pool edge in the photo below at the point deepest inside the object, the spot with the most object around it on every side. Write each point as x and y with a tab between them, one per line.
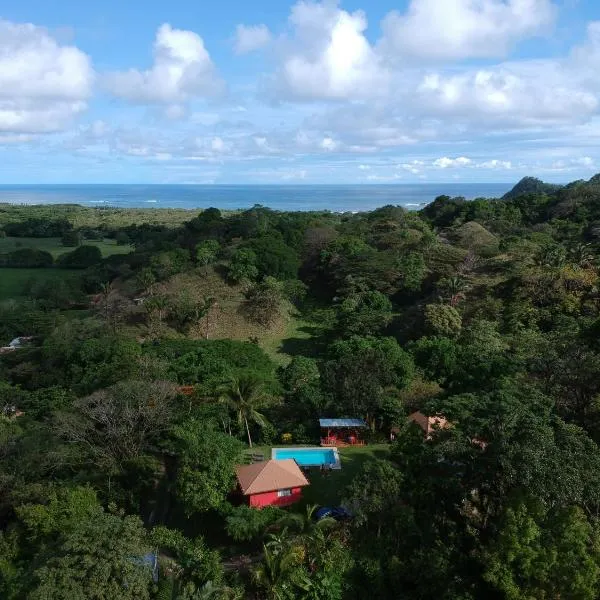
337	465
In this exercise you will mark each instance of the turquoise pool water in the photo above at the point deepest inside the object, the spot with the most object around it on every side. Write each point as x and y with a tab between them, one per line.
307	457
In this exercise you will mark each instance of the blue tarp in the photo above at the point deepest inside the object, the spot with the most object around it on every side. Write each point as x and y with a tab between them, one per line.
342	423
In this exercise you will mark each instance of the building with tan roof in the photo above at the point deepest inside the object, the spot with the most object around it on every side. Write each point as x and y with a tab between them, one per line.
271	483
429	424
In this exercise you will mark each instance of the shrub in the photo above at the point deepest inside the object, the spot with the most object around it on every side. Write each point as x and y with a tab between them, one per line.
71	238
26	258
81	258
443	319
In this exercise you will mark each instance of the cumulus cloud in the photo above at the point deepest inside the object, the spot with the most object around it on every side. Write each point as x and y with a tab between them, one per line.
328	144
414	166
445	162
328	56
43	84
495	164
528	91
249	38
182	70
457	29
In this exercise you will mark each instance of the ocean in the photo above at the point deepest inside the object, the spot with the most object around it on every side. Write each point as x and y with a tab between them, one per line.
335	198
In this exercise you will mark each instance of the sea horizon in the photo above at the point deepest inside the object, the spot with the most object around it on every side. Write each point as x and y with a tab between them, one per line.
285	197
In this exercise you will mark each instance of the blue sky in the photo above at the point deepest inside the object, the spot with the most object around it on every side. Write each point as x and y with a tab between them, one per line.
384	91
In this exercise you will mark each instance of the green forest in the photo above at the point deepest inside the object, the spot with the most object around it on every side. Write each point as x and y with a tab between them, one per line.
146	353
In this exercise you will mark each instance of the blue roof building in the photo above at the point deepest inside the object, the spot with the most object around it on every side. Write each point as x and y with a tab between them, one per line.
333	423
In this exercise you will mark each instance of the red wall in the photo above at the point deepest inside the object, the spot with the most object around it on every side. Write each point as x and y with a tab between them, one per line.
272	499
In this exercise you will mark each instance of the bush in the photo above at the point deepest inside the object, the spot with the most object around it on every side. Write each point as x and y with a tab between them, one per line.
275	257
210	362
26	258
443	319
243	266
81	258
71	238
122	239
245	524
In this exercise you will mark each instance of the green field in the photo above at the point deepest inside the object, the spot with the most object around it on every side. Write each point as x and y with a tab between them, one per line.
97	217
13	281
53	245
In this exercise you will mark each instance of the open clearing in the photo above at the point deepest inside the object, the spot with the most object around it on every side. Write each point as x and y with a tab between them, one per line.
285	338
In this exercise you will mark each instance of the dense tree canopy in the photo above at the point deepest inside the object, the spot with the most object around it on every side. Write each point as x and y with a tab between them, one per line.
465	335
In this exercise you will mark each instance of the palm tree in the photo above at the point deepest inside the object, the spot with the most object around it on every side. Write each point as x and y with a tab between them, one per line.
210	591
582	255
245	395
280	574
304	525
454	288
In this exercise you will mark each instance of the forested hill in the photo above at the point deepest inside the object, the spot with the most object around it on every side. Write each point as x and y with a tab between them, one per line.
141	361
530	185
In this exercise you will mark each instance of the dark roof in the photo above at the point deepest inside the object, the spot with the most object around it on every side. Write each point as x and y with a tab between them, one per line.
342	423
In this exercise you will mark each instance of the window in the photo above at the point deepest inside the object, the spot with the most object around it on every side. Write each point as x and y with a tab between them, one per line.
282	493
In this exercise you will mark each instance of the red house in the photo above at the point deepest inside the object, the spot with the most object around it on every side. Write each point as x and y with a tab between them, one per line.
271	483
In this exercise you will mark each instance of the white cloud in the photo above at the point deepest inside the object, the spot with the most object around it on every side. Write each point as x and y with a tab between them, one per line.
585	161
413	166
528	92
329	144
249	38
495	164
218	145
328	56
16	138
175	112
182	70
43	85
457	29
572	164
364	167
445	162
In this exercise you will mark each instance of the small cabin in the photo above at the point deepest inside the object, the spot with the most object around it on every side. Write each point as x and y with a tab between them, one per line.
271	483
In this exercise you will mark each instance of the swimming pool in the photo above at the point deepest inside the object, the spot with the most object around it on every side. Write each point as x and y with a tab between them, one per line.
309	457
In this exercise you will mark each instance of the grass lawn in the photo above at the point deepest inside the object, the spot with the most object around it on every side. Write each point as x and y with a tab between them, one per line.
277	344
53	245
13	281
328	489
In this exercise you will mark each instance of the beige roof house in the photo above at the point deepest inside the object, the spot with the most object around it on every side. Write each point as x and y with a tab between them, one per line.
428	424
269	476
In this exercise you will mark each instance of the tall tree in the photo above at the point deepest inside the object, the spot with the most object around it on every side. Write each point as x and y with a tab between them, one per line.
246	396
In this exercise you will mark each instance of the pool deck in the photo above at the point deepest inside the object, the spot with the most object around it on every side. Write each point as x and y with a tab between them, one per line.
299	449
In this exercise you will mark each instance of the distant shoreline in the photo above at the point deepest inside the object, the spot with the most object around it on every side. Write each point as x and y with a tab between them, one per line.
311	198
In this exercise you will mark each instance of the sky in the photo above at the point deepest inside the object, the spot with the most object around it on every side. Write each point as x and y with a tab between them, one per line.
230	91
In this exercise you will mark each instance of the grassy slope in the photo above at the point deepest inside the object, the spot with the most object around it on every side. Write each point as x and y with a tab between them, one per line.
13	281
53	245
227	322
